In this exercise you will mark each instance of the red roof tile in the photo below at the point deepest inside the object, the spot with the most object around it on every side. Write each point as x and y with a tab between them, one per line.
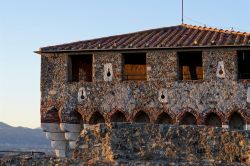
170	37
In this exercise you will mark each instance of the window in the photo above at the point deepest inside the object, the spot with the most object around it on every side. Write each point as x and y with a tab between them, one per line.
80	68
134	66
190	66
244	64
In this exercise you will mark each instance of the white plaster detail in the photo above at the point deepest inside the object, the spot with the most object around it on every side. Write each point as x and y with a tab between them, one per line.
67	127
225	126
55	136
81	95
148	68
51	127
248	96
58	145
85	146
60	153
52	92
247	127
163	96
148	71
71	136
72	144
108	72
220	73
86	126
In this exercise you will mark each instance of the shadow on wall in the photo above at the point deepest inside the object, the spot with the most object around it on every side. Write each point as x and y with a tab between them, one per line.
96	118
141	117
164	118
236	121
212	119
118	117
188	119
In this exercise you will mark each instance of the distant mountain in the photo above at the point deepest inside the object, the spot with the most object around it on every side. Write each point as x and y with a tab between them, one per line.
3	125
21	138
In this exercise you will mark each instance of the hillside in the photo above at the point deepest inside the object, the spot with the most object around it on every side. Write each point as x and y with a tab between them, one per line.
21	138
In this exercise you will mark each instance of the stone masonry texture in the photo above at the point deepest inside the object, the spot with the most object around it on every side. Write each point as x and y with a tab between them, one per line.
65	114
212	94
126	142
129	144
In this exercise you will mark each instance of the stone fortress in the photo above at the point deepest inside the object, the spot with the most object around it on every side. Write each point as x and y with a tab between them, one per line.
180	75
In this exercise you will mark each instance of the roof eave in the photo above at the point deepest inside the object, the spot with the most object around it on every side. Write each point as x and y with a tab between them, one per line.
150	48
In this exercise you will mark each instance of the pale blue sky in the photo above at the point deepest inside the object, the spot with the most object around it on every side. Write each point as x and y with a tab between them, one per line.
26	25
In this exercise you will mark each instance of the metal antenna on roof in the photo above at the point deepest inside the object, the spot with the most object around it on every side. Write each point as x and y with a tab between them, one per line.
182	12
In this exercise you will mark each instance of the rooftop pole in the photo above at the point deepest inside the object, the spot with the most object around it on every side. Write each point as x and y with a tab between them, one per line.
182	10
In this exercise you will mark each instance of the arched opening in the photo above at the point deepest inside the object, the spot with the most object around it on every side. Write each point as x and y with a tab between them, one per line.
51	116
118	117
164	118
141	117
213	119
188	119
236	121
79	119
96	118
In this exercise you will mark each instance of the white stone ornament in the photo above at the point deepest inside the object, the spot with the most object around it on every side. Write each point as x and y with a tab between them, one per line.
67	127
57	138
72	144
220	70
162	96
248	96
51	127
60	153
81	95
58	145
108	72
72	131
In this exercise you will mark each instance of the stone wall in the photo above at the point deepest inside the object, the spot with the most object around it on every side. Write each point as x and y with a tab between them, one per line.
125	143
149	144
220	95
63	112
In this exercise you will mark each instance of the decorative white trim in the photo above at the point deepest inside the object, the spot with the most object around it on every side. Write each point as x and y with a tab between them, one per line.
71	136
163	96
52	92
58	145
67	127
220	73
51	127
108	72
248	96
148	68
247	127
55	136
82	96
72	144
86	126
225	126
60	153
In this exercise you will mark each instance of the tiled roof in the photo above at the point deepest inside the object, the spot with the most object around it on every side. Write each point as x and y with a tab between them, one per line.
169	37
